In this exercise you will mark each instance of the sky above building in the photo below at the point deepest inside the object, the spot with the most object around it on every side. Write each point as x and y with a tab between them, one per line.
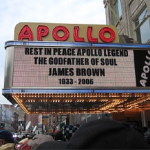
61	11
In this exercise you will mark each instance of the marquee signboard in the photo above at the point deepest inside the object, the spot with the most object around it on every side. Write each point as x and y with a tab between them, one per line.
73	56
74	67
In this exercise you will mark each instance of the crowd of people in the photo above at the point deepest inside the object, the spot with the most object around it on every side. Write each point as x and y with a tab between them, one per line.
97	134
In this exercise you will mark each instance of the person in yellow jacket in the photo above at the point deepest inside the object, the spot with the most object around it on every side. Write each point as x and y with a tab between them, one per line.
6	140
7	146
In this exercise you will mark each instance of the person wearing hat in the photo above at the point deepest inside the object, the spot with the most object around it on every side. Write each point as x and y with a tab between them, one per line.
6	140
39	139
101	134
68	131
32	144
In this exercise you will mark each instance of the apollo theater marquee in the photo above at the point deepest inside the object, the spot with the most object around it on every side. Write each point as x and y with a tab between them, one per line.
75	68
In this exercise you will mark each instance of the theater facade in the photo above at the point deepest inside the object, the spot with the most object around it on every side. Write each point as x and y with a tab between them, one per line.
75	69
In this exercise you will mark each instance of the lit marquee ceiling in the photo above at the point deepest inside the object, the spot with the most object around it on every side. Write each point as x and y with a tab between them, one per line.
80	102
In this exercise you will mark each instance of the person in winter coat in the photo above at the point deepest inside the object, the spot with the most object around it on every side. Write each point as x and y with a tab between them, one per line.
6	140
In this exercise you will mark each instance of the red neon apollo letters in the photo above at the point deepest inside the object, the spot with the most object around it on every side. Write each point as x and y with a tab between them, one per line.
25	33
60	28
43	31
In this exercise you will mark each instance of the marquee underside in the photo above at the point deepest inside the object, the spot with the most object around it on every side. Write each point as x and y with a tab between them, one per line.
74	103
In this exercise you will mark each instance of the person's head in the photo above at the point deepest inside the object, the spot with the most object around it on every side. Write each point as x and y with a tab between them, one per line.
39	139
58	136
31	144
68	131
102	134
6	137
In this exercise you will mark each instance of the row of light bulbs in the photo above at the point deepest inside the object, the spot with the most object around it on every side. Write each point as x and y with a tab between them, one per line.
20	103
80	94
105	107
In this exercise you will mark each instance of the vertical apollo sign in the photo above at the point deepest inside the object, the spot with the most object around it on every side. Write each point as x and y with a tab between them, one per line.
142	67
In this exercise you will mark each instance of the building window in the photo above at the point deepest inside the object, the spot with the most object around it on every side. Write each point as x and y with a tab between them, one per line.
142	27
118	9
